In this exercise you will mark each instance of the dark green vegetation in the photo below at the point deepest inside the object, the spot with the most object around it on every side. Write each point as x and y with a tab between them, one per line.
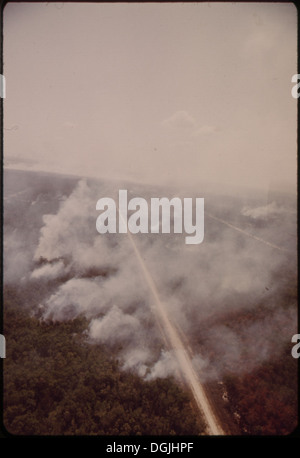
266	399
55	383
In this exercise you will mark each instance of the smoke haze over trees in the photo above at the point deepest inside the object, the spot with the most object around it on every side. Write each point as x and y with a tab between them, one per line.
232	297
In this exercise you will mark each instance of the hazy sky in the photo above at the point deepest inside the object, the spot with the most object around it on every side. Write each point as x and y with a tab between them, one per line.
152	92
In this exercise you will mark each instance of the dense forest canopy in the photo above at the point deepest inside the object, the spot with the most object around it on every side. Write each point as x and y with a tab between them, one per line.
56	383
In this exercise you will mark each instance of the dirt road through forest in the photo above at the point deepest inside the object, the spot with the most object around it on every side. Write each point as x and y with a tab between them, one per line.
176	344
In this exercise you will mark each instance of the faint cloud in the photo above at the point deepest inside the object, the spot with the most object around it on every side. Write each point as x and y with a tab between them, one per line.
183	122
180	119
205	130
269	210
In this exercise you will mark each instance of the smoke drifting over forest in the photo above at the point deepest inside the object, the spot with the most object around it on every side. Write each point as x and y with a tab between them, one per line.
203	287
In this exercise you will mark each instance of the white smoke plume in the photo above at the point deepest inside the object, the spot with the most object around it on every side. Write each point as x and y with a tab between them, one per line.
71	223
265	211
116	325
165	366
75	297
137	359
49	271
